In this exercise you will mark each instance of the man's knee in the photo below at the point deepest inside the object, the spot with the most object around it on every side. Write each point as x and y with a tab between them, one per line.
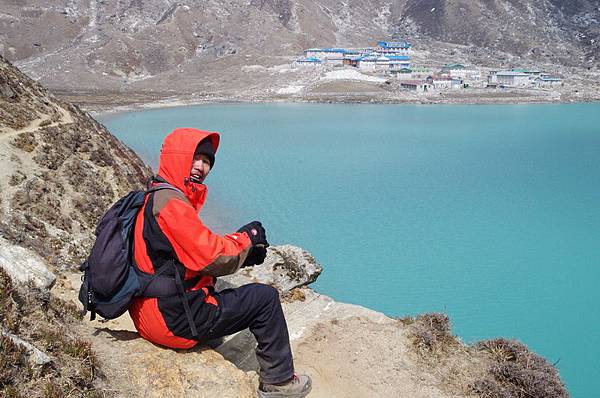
266	292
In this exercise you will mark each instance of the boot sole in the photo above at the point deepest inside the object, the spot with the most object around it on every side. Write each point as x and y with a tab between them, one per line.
264	394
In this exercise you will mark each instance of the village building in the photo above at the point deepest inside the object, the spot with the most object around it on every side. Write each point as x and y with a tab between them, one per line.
329	56
461	72
548	80
386	56
398	62
322	53
511	79
401	74
375	61
367	62
393	47
351	61
420	86
420	72
530	72
522	78
441	82
308	62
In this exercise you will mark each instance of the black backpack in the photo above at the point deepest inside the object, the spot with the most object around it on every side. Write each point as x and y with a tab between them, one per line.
111	279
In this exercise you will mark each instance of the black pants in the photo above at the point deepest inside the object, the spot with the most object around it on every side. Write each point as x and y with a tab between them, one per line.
256	306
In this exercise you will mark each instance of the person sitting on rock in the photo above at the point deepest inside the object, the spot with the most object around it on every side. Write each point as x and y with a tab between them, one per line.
170	239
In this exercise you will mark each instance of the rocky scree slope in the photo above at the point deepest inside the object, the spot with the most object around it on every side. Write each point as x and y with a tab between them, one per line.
62	170
202	46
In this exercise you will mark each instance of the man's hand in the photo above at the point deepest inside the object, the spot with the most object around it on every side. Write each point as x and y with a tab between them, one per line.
256	256
256	233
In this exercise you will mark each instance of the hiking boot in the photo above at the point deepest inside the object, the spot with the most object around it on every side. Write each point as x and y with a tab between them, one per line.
299	386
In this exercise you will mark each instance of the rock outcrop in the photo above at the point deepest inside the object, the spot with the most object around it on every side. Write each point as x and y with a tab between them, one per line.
286	267
24	266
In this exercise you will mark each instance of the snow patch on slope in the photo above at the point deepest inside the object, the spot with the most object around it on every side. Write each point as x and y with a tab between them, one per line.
352	74
290	90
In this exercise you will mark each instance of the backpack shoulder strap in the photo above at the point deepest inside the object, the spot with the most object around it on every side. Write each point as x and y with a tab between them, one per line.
159	184
163	185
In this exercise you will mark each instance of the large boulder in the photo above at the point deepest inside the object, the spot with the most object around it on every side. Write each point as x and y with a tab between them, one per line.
285	268
25	266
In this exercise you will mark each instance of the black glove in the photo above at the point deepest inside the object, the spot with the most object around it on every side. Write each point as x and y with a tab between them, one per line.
256	256
256	233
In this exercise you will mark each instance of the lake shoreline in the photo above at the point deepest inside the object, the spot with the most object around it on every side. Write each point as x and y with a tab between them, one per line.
103	102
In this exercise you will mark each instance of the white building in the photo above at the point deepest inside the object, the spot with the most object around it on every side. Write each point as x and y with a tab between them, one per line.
368	62
376	61
420	86
324	53
458	71
548	80
512	79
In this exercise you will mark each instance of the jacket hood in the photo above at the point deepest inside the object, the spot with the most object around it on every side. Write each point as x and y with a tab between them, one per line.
176	156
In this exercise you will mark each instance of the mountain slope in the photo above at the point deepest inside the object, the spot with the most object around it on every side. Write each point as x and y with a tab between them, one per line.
122	45
61	170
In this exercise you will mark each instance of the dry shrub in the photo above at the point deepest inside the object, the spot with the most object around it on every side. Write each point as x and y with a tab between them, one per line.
17	178
430	333
407	320
293	295
25	142
9	318
52	390
49	324
45	123
13	361
517	372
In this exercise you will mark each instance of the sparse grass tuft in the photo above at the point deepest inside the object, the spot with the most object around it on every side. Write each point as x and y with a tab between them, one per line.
517	372
64	310
9	392
52	390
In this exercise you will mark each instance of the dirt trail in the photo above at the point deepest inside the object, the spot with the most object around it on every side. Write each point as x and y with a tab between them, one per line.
38	123
12	161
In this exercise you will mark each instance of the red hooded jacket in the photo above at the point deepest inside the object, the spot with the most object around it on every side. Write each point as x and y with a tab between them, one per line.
168	231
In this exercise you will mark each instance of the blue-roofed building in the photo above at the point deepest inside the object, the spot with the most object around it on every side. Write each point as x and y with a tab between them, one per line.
398	62
326	53
376	61
310	61
394	47
399	57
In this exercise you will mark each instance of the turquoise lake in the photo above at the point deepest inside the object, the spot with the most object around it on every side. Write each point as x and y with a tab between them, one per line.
488	213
